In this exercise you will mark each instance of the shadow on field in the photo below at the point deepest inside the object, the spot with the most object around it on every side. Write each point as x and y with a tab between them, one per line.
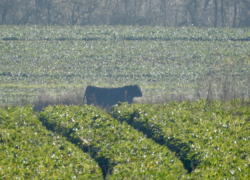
83	145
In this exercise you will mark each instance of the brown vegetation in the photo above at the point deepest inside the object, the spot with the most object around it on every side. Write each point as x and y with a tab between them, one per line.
227	91
74	97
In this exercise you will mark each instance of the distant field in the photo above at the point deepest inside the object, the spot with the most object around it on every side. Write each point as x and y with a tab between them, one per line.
162	61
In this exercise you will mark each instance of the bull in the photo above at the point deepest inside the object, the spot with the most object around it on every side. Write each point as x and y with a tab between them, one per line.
106	97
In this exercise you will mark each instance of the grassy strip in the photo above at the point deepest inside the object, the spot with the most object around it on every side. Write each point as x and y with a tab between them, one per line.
120	150
91	33
30	151
40	86
210	135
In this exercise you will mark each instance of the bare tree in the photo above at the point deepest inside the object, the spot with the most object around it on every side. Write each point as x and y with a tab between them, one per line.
208	13
215	13
235	13
222	13
6	6
192	7
245	13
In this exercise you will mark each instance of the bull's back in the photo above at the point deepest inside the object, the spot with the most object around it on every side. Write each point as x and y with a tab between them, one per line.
96	95
110	96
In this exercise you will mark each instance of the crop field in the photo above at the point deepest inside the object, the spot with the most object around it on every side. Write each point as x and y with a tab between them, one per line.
211	138
162	61
30	151
179	140
206	137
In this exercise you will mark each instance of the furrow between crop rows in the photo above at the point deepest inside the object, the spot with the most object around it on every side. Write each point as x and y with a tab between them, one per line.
155	131
127	153
30	151
210	136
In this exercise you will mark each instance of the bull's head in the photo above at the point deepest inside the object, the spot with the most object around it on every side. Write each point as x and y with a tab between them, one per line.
134	91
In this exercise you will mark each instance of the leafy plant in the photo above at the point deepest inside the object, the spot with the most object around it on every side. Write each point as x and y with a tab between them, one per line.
119	149
30	151
212	136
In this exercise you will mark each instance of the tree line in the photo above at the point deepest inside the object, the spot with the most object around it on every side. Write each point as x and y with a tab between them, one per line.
167	13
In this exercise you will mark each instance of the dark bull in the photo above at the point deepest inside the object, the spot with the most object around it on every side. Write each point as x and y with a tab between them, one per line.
110	96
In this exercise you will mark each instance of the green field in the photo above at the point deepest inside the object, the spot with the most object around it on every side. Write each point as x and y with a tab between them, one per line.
203	139
162	61
211	138
185	140
30	151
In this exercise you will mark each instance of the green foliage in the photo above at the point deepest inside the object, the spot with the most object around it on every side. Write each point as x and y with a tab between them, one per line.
210	138
30	151
127	153
212	135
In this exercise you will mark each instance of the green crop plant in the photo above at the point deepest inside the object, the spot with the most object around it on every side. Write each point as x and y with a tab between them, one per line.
211	136
120	150
30	151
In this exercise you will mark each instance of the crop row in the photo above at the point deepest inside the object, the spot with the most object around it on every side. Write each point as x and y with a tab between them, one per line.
30	151
121	33
121	151
210	137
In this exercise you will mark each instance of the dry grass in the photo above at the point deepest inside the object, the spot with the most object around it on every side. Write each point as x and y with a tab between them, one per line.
44	99
224	90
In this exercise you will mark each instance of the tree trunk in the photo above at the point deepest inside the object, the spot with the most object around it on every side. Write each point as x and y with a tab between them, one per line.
73	20
163	9
222	13
192	7
215	13
6	7
235	13
206	4
49	14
